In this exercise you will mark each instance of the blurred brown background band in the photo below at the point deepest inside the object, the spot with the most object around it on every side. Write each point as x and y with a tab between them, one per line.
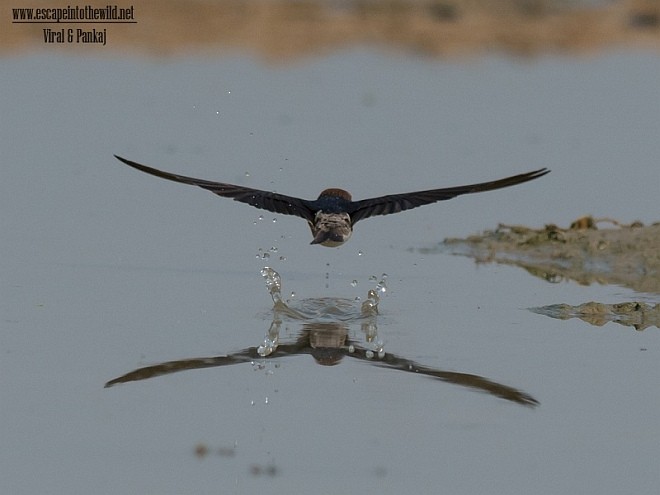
279	30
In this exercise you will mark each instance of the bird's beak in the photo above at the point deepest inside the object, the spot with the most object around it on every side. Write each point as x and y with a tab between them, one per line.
328	238
321	237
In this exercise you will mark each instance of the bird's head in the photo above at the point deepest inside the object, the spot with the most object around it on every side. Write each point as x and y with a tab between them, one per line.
335	193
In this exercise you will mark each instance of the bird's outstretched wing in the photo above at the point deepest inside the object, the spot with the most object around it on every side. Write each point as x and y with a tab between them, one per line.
394	203
265	200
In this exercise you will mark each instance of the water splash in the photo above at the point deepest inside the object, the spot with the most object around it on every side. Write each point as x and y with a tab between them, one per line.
271	340
370	306
273	282
324	309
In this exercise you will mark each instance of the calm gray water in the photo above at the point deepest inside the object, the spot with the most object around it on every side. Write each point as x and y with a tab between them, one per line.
106	270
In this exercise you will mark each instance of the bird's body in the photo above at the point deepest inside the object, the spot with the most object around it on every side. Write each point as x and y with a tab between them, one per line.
333	214
331	229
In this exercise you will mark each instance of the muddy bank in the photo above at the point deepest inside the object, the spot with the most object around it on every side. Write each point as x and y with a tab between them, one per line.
589	251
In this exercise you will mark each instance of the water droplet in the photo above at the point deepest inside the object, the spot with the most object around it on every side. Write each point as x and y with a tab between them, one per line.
360	253
354	283
293	294
369	354
282	258
260	217
266	400
247	174
273	249
274	220
252	403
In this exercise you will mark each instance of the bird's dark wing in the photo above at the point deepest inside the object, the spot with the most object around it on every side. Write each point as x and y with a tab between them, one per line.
277	203
394	203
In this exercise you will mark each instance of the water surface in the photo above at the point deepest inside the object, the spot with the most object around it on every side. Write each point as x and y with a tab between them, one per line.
107	270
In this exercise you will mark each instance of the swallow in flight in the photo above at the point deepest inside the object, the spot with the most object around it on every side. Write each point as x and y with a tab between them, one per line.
332	215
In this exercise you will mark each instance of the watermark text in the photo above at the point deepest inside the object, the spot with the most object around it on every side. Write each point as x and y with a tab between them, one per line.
87	14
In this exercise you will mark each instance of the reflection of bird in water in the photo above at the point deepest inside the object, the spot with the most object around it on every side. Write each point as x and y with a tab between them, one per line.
332	215
329	343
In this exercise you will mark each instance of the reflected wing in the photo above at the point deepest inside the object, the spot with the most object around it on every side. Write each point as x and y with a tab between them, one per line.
244	356
462	379
248	355
395	203
277	203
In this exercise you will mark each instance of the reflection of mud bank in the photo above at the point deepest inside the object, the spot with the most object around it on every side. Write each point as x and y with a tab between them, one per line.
626	255
281	29
632	314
